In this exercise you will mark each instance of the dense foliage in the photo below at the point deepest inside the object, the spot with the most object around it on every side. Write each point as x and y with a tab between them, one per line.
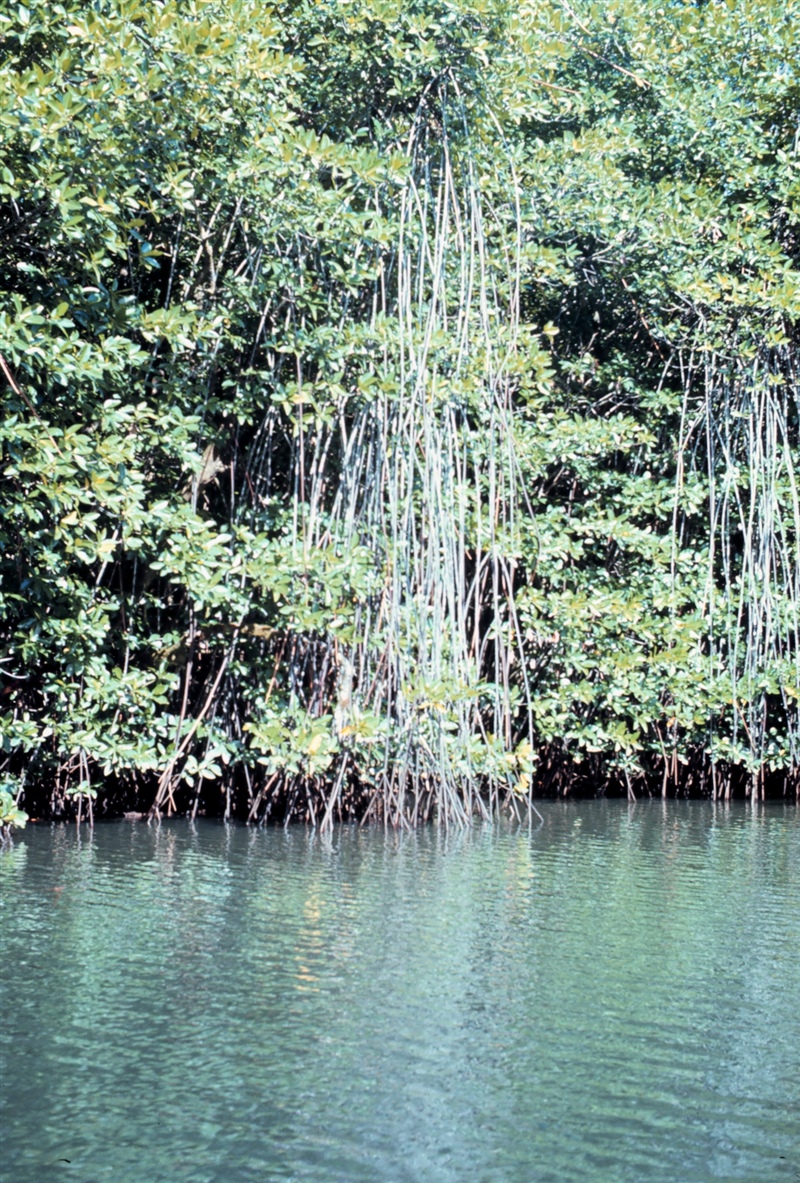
400	408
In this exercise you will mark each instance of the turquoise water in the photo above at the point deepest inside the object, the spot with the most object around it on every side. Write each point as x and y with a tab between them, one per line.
612	996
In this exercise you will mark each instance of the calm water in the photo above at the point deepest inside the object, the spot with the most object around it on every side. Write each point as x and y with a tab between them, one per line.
612	996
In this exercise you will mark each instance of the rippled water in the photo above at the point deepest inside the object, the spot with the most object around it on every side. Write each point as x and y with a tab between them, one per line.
612	996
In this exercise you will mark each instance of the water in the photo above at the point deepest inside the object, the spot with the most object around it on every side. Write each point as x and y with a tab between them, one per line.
613	996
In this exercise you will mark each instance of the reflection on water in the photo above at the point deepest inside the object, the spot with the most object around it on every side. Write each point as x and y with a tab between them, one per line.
614	995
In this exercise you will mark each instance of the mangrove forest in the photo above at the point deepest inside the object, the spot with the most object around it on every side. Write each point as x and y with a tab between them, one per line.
399	405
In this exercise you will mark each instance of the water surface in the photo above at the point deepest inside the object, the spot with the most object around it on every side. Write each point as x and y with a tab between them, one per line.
612	996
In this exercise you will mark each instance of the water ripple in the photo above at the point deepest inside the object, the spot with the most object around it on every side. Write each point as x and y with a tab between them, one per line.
612	996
